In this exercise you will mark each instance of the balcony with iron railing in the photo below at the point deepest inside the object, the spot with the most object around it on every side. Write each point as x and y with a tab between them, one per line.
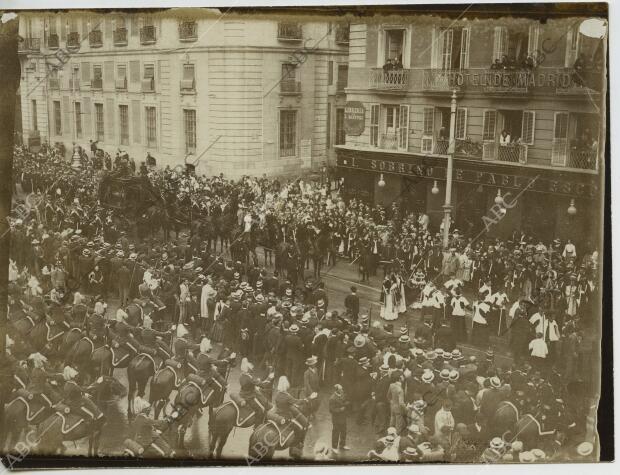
439	80
52	41
147	35
512	152
290	87
188	31
96	83
441	147
393	80
120	37
95	39
573	155
29	45
388	141
342	34
73	39
289	31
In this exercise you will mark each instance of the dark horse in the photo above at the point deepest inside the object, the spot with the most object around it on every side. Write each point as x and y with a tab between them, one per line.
64	425
233	413
270	436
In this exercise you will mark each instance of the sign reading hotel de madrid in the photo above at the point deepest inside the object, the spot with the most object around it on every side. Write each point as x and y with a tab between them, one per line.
354	118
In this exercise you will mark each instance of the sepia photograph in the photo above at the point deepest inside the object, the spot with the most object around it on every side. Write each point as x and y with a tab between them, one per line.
320	234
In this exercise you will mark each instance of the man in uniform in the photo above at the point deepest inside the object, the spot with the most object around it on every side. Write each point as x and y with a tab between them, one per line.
250	391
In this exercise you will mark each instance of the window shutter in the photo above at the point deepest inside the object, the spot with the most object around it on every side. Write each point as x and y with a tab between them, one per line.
559	149
134	72
499	42
488	126
66	116
464	64
135	30
330	73
85	72
428	121
374	125
86	121
107	30
532	41
109	126
461	123
446	53
403	127
108	74
527	127
135	121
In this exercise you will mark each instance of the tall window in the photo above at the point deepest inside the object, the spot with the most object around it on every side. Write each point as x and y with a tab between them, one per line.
35	124
328	138
121	76
340	135
330	73
151	127
78	120
461	123
123	111
57	118
148	83
288	133
99	122
189	121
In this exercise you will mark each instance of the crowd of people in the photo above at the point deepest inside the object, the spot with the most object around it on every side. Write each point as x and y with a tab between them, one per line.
405	375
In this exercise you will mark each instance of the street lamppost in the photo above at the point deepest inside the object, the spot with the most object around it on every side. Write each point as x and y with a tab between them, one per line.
447	207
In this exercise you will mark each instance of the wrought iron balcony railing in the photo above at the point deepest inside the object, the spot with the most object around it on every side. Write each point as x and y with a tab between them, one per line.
188	31
95	39
514	153
73	39
52	41
389	141
441	146
289	31
147	35
390	80
120	37
29	45
342	34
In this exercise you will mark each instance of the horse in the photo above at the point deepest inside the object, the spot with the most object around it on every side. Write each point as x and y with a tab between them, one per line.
233	413
191	397
164	381
270	436
22	411
64	425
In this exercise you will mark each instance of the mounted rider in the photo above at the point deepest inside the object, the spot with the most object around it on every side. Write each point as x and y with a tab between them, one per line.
207	366
75	400
250	390
123	337
154	339
286	406
146	432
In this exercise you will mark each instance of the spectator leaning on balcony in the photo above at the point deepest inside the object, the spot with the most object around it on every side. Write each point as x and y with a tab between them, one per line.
504	137
398	64
388	66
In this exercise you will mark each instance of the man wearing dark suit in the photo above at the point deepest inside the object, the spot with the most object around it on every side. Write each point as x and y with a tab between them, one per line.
294	355
352	304
311	383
